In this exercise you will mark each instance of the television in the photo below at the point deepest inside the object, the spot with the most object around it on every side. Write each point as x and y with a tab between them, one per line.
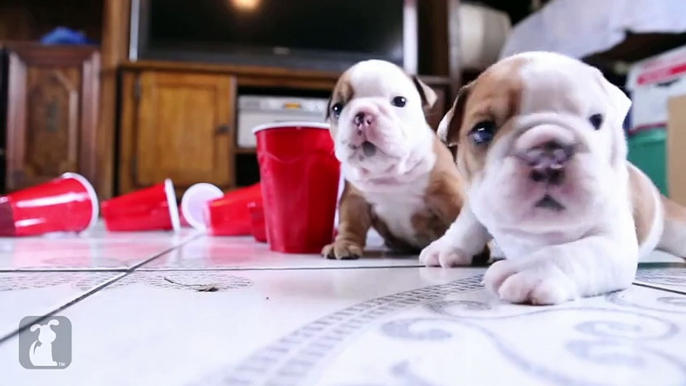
303	34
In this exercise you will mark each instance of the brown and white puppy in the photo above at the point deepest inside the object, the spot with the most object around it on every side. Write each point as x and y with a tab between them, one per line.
541	147
399	178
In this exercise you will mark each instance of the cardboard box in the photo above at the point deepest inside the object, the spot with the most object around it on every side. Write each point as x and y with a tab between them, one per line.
658	87
652	82
676	149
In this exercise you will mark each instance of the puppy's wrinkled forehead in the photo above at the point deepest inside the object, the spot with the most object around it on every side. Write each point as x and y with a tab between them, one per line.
521	85
559	85
372	78
496	95
525	85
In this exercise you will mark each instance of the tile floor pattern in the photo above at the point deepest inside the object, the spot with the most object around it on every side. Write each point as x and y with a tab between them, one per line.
187	309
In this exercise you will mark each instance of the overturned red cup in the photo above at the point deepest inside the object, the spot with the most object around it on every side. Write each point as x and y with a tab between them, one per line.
148	209
229	216
65	204
299	176
182	219
194	204
258	227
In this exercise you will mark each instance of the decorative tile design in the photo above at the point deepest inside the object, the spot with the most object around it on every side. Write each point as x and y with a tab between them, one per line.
290	360
227	311
389	340
39	293
671	277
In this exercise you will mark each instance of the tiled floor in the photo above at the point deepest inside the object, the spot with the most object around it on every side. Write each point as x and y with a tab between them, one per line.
187	309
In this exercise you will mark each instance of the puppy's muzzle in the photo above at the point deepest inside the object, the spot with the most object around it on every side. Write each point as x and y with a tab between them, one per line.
547	162
365	121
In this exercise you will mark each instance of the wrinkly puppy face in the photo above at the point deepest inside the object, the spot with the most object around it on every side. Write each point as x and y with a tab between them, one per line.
377	119
540	142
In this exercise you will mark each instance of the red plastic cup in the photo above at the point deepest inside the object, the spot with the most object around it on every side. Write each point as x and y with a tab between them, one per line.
65	204
194	204
229	216
299	176
182	219
148	209
257	224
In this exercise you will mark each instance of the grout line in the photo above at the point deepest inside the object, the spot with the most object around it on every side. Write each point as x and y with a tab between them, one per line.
273	268
661	264
66	305
39	270
104	269
146	261
658	287
310	268
97	288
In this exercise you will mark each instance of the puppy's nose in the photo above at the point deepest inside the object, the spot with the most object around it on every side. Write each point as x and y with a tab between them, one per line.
548	161
363	120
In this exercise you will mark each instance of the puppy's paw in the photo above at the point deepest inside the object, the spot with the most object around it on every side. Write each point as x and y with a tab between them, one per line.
342	250
541	284
442	253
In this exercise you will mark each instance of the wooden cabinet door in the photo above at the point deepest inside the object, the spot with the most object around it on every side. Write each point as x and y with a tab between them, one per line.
52	113
182	129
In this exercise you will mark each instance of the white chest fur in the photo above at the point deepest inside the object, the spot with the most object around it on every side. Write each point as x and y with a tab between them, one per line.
397	206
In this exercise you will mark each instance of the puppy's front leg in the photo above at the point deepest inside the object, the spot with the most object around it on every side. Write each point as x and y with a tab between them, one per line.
354	223
556	274
465	239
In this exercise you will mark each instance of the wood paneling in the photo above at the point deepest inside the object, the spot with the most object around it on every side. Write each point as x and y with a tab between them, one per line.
52	113
181	126
433	37
114	53
439	39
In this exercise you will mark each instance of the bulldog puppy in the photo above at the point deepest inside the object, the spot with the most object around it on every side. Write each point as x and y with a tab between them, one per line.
399	177
541	148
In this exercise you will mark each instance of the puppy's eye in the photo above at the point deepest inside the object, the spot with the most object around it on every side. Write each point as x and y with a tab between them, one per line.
399	101
483	132
596	120
336	110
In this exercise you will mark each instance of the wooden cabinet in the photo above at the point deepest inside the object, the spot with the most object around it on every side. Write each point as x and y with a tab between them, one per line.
177	120
177	125
52	104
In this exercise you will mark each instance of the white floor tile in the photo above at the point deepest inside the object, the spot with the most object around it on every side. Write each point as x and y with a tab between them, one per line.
227	311
384	326
39	293
209	252
96	249
668	276
145	330
631	338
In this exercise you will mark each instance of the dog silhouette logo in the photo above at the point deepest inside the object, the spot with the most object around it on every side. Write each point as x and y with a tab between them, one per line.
45	344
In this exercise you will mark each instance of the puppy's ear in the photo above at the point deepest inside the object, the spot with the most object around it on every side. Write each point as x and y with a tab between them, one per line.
620	105
427	94
619	101
449	128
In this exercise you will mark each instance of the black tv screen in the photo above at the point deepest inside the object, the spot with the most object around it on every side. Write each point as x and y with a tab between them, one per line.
325	34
